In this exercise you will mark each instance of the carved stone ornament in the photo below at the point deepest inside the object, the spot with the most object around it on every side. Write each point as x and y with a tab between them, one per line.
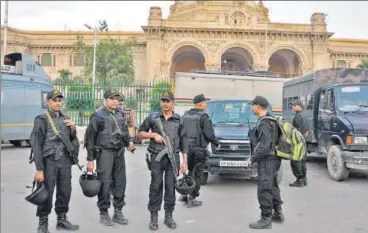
237	19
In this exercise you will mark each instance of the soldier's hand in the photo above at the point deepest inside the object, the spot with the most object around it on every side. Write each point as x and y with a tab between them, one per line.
131	147
90	166
69	123
158	138
218	147
39	176
249	163
184	167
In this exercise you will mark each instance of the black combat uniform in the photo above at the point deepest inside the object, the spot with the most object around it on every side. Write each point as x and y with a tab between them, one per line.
57	168
173	126
264	154
299	168
106	138
199	132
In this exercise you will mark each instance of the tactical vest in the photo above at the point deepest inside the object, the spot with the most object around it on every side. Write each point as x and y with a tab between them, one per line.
105	137
172	131
50	146
192	121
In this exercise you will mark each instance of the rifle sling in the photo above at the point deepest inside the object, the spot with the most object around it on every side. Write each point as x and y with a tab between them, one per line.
56	132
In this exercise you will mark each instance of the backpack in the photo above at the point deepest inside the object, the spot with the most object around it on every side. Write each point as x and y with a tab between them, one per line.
291	144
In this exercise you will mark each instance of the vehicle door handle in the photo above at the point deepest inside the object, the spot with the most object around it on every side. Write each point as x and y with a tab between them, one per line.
334	124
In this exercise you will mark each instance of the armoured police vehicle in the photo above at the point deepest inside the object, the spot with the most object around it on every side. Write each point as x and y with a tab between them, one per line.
336	101
24	85
231	120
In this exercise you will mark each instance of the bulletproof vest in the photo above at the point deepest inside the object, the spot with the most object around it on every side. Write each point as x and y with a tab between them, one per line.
50	146
172	129
191	120
105	137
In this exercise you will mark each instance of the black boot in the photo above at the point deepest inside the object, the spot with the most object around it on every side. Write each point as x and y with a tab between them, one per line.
63	223
263	223
169	221
192	202
119	217
105	218
183	198
153	225
298	183
43	225
277	215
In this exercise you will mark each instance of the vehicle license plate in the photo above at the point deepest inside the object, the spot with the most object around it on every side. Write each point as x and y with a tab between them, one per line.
233	163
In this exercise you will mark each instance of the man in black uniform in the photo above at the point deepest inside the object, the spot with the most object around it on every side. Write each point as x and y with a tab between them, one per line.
106	138
199	132
53	166
266	136
173	126
301	123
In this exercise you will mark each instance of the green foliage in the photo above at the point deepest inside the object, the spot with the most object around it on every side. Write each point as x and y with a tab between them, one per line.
131	103
79	95
114	61
156	93
64	74
363	64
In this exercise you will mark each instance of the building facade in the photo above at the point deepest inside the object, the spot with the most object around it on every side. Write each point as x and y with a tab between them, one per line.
211	35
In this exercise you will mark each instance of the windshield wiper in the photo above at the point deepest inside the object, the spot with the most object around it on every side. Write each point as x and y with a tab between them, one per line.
226	122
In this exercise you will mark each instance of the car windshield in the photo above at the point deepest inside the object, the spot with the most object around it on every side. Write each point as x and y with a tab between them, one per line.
231	112
352	98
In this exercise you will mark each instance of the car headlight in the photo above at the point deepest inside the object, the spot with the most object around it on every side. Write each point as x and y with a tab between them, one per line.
360	140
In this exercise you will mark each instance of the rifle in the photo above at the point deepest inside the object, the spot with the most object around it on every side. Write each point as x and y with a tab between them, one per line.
121	136
65	142
168	148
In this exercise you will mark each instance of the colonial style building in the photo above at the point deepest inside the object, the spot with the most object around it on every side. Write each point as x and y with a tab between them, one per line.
212	35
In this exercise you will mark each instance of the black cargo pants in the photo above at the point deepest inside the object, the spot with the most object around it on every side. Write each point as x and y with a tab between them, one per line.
196	162
111	172
156	187
299	168
268	191
57	173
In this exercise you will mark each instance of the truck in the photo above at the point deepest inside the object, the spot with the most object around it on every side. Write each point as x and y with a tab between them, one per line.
229	109
24	86
336	102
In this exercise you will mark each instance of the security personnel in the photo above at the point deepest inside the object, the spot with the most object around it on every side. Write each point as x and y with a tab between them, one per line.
52	167
106	138
264	154
301	123
200	132
172	124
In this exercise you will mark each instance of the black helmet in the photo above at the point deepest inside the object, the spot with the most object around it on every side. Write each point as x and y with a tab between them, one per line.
89	184
38	196
185	185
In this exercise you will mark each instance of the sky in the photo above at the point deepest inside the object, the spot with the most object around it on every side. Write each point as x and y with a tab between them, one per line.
347	19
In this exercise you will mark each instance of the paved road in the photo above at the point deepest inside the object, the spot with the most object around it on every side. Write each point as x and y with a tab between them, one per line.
229	205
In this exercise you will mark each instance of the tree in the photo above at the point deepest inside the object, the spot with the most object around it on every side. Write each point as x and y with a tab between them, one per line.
64	74
363	64
114	61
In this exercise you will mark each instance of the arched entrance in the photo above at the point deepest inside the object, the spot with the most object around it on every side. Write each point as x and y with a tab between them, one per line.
285	63
187	59
236	59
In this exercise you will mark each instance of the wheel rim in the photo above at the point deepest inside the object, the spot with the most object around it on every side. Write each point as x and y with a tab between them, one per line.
334	162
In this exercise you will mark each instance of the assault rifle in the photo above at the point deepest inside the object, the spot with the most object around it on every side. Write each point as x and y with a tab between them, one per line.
168	148
68	146
121	136
65	143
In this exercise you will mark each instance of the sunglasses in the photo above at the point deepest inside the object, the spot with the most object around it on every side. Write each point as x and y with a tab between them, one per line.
165	100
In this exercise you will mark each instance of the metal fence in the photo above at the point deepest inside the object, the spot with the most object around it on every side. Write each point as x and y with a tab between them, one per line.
82	98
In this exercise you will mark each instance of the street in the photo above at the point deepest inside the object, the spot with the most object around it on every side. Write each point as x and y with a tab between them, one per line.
324	206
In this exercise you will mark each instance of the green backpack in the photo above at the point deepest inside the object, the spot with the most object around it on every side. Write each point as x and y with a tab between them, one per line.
291	144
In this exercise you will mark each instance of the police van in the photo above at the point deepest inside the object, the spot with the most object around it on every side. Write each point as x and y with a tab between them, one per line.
24	86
